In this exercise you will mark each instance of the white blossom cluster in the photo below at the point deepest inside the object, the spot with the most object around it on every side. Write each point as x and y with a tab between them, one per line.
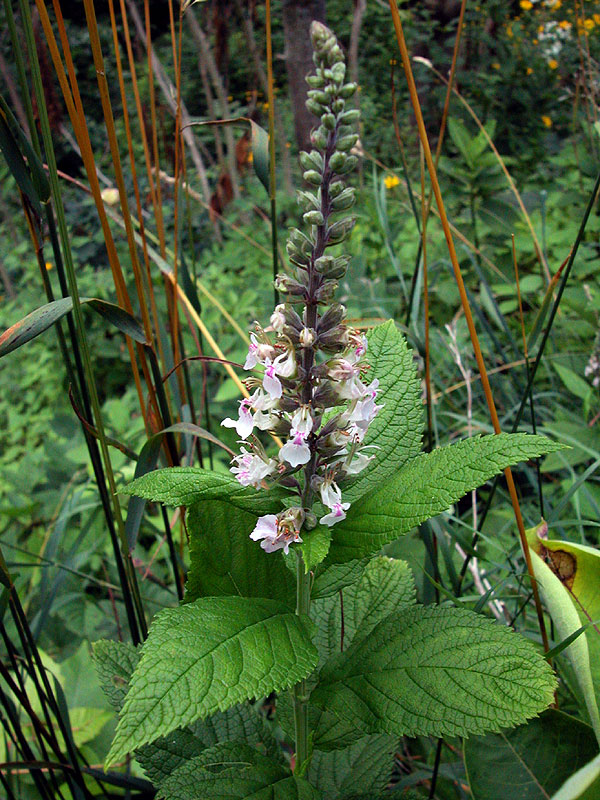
313	389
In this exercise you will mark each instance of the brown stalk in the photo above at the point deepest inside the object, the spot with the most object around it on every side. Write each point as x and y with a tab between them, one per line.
424	215
466	306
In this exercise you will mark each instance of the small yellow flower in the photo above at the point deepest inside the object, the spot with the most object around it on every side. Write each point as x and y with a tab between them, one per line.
391	181
509	32
110	196
265	106
589	24
547	121
49	266
526	5
534	41
553	63
529	71
596	19
495	65
288	145
229	98
564	24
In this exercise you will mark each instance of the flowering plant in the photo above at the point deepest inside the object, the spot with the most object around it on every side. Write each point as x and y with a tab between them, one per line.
316	609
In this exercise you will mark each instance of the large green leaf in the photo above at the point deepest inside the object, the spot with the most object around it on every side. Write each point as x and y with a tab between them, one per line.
364	767
583	785
208	656
426	486
529	762
185	486
398	427
568	576
115	662
234	771
436	671
386	585
225	561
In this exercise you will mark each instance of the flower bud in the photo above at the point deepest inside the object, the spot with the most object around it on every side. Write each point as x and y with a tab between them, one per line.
313	177
351	162
310	520
278	318
349	117
346	143
337	161
338	105
339	230
336	188
312	160
318	138
308	336
328	121
339	70
344	200
313	217
334	315
347	90
314	107
315	81
325	292
287	285
335	340
307	200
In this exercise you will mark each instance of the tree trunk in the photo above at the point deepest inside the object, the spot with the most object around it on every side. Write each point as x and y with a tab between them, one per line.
297	16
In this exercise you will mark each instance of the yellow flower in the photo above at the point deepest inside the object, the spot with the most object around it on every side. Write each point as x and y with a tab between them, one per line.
529	71
526	5
534	41
596	19
589	24
553	63
495	65
509	32
110	196
49	266
564	24
250	157
391	181
547	121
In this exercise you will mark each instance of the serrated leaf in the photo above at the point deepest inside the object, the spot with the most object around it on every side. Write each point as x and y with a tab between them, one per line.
397	429
315	546
225	561
364	767
426	486
436	671
386	585
529	762
208	656
186	486
235	771
115	662
337	576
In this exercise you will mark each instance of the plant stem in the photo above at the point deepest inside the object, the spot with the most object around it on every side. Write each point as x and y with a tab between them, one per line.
300	694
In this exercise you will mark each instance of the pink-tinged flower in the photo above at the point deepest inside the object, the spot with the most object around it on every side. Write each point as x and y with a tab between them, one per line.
257	352
331	494
271	383
274	536
251	470
361	347
302	420
337	514
285	364
278	318
296	451
244	425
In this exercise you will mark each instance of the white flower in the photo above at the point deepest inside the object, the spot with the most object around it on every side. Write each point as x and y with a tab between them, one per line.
337	514
285	364
278	318
251	469
271	383
302	420
274	537
244	425
296	451
358	463
330	493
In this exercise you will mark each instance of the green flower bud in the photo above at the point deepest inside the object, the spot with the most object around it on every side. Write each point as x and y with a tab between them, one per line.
307	200
328	121
339	230
318	138
339	70
337	161
349	117
324	98
347	90
315	81
344	200
338	105
351	162
346	143
301	241
313	177
314	107
312	160
324	264
313	218
336	188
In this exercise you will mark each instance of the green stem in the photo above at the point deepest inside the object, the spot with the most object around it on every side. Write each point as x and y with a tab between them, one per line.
300	689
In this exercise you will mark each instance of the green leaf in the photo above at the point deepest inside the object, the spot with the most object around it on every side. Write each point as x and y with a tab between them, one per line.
225	561
574	382
386	585
234	771
45	316
397	428
315	546
584	785
436	671
529	762
426	486
115	662
185	486
364	767
338	576
206	657
568	576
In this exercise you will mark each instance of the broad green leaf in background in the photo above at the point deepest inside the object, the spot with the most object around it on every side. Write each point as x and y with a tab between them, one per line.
235	771
569	580
364	767
574	382
337	576
115	662
531	761
426	486
398	427
583	785
436	671
225	561
315	546
208	656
